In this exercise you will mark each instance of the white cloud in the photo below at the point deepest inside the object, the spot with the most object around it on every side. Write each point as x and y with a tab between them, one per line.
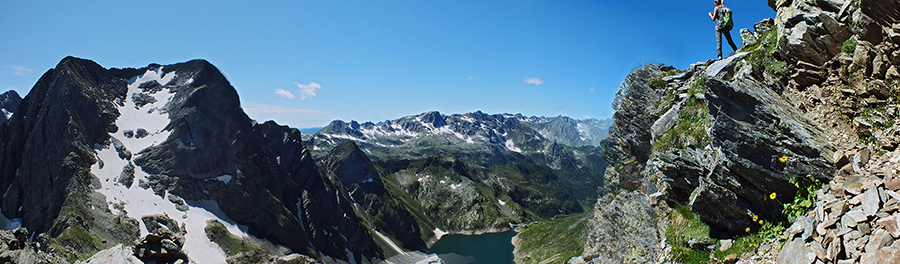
284	93
591	90
533	81
308	90
471	79
18	70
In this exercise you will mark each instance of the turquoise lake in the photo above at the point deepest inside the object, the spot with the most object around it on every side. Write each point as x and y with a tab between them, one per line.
483	249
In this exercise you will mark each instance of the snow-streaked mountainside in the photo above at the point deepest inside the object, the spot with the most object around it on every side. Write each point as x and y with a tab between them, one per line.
164	161
477	171
474	131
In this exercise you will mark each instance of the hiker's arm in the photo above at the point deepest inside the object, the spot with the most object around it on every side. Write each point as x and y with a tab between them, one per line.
712	15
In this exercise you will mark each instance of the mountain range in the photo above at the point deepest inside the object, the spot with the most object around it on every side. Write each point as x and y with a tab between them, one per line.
161	164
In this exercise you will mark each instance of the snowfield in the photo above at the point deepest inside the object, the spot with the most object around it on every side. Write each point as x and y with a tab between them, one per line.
135	201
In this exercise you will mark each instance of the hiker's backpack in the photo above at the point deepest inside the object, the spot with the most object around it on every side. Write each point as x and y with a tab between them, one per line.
726	18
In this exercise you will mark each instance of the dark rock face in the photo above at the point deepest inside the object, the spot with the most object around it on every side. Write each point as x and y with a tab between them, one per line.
46	151
9	102
351	167
15	249
763	143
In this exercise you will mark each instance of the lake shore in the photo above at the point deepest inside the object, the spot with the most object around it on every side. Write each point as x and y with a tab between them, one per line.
438	233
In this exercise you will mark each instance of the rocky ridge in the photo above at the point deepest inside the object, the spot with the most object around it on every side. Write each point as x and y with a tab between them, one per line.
813	92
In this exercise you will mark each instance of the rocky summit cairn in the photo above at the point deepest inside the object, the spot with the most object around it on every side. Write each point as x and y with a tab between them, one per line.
163	243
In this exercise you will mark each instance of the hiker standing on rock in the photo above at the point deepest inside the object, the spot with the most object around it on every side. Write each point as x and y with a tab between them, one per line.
722	16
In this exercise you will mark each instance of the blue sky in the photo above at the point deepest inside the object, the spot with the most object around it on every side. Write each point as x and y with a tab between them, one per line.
377	60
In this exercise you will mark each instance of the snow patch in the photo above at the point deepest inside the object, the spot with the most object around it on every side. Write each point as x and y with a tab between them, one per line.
352	260
501	202
512	146
9	224
454	186
224	178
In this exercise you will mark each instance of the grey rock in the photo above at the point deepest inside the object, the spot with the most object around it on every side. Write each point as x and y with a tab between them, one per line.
724	69
808	31
871	202
666	121
749	169
118	254
126	178
796	252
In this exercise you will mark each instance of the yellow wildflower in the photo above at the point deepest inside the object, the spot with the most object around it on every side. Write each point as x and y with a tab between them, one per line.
755	217
783	159
747	230
772	196
760	222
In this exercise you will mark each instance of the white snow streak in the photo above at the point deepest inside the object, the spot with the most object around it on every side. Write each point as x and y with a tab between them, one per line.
512	146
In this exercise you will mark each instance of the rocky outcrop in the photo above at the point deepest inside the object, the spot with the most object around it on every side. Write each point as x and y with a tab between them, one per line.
761	143
810	31
9	102
15	249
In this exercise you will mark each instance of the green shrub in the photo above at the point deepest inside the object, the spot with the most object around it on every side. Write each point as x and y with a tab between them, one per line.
849	46
658	83
805	197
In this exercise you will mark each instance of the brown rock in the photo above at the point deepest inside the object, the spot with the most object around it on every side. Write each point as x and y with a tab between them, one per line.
893	185
840	159
885	255
877	241
891	225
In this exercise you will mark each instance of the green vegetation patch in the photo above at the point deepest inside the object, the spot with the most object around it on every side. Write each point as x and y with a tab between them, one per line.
555	240
684	227
849	46
693	119
762	58
231	244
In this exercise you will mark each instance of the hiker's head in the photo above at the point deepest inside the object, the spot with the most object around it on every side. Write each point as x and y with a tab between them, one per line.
718	2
